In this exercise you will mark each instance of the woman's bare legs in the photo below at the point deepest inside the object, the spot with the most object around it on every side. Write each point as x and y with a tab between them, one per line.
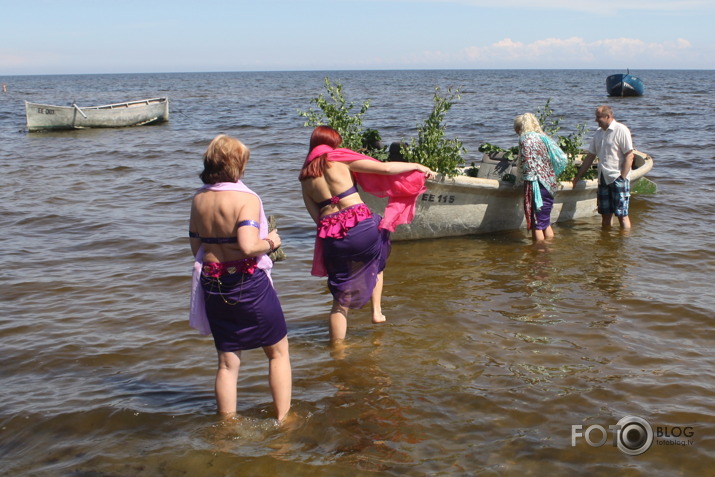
377	316
549	232
539	235
279	376
338	322
229	363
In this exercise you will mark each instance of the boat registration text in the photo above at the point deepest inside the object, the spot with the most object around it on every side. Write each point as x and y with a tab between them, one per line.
440	199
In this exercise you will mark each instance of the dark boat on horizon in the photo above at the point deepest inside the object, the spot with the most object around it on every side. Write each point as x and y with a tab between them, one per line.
624	85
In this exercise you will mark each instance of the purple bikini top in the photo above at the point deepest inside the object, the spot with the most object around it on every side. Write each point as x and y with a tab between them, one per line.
336	198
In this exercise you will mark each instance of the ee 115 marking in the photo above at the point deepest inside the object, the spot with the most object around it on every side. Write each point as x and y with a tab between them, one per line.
440	199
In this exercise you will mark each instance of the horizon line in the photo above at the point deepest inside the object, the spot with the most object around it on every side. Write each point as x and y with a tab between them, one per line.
352	70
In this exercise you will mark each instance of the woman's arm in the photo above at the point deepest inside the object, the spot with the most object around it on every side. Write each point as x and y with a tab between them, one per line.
193	228
249	242
389	168
526	156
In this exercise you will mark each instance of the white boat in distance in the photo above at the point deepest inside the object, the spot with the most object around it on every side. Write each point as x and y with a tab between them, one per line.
463	205
131	113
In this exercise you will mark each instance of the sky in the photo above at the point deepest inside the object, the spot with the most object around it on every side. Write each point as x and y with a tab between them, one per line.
156	36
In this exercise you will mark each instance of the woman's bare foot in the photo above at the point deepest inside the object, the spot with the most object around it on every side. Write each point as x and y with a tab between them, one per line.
379	318
286	418
338	349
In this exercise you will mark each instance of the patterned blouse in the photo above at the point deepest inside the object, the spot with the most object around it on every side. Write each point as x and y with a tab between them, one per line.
535	161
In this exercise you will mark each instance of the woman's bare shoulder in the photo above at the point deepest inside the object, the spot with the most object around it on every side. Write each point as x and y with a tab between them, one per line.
224	200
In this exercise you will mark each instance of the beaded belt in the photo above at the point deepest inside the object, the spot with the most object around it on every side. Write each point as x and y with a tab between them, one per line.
215	270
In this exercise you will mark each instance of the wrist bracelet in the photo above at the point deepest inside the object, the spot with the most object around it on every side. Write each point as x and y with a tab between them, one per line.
271	245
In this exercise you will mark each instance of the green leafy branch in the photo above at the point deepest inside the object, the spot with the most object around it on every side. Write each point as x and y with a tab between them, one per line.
492	150
571	144
431	148
335	111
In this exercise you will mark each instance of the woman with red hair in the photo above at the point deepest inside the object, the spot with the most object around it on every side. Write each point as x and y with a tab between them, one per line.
353	243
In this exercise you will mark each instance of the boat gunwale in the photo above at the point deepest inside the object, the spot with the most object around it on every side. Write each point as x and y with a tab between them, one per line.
468	182
138	102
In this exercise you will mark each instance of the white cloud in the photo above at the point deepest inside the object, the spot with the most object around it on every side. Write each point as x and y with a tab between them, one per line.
9	59
573	51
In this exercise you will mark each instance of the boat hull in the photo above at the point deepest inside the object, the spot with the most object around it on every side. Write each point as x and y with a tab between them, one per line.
471	205
624	85
132	113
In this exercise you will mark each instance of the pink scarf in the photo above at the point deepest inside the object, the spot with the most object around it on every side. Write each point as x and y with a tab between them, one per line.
197	308
401	189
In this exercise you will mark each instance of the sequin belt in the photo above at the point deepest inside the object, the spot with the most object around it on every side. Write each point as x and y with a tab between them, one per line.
218	269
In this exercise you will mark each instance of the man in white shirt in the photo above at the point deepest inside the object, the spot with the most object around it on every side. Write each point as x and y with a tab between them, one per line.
613	145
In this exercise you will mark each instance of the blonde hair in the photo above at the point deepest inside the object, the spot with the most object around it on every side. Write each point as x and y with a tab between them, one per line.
224	160
525	123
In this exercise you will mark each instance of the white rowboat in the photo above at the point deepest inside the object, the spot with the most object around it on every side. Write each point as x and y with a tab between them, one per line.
132	113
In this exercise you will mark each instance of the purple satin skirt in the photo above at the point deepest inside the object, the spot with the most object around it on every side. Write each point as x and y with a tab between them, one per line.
243	311
353	262
542	217
537	219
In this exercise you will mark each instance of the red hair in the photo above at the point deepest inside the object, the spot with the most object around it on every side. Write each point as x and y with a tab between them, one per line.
322	135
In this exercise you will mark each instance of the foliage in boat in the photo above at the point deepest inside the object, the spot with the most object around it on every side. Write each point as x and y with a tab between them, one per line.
336	112
491	150
571	144
431	147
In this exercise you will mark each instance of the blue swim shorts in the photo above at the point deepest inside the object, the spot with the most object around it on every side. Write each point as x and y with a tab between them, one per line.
613	198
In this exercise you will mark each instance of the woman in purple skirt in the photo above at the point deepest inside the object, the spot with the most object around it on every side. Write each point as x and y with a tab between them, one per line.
233	296
352	243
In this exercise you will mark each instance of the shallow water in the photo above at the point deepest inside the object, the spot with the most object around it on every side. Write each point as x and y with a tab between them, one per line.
493	349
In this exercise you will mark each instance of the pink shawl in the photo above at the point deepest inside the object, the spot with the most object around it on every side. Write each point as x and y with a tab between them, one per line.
197	309
401	189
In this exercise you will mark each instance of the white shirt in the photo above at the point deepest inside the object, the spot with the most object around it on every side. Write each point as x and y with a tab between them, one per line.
611	146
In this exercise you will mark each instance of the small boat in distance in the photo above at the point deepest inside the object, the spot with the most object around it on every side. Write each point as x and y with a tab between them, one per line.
624	85
117	115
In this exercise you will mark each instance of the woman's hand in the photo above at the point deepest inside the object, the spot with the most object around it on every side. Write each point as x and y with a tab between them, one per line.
429	173
275	238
